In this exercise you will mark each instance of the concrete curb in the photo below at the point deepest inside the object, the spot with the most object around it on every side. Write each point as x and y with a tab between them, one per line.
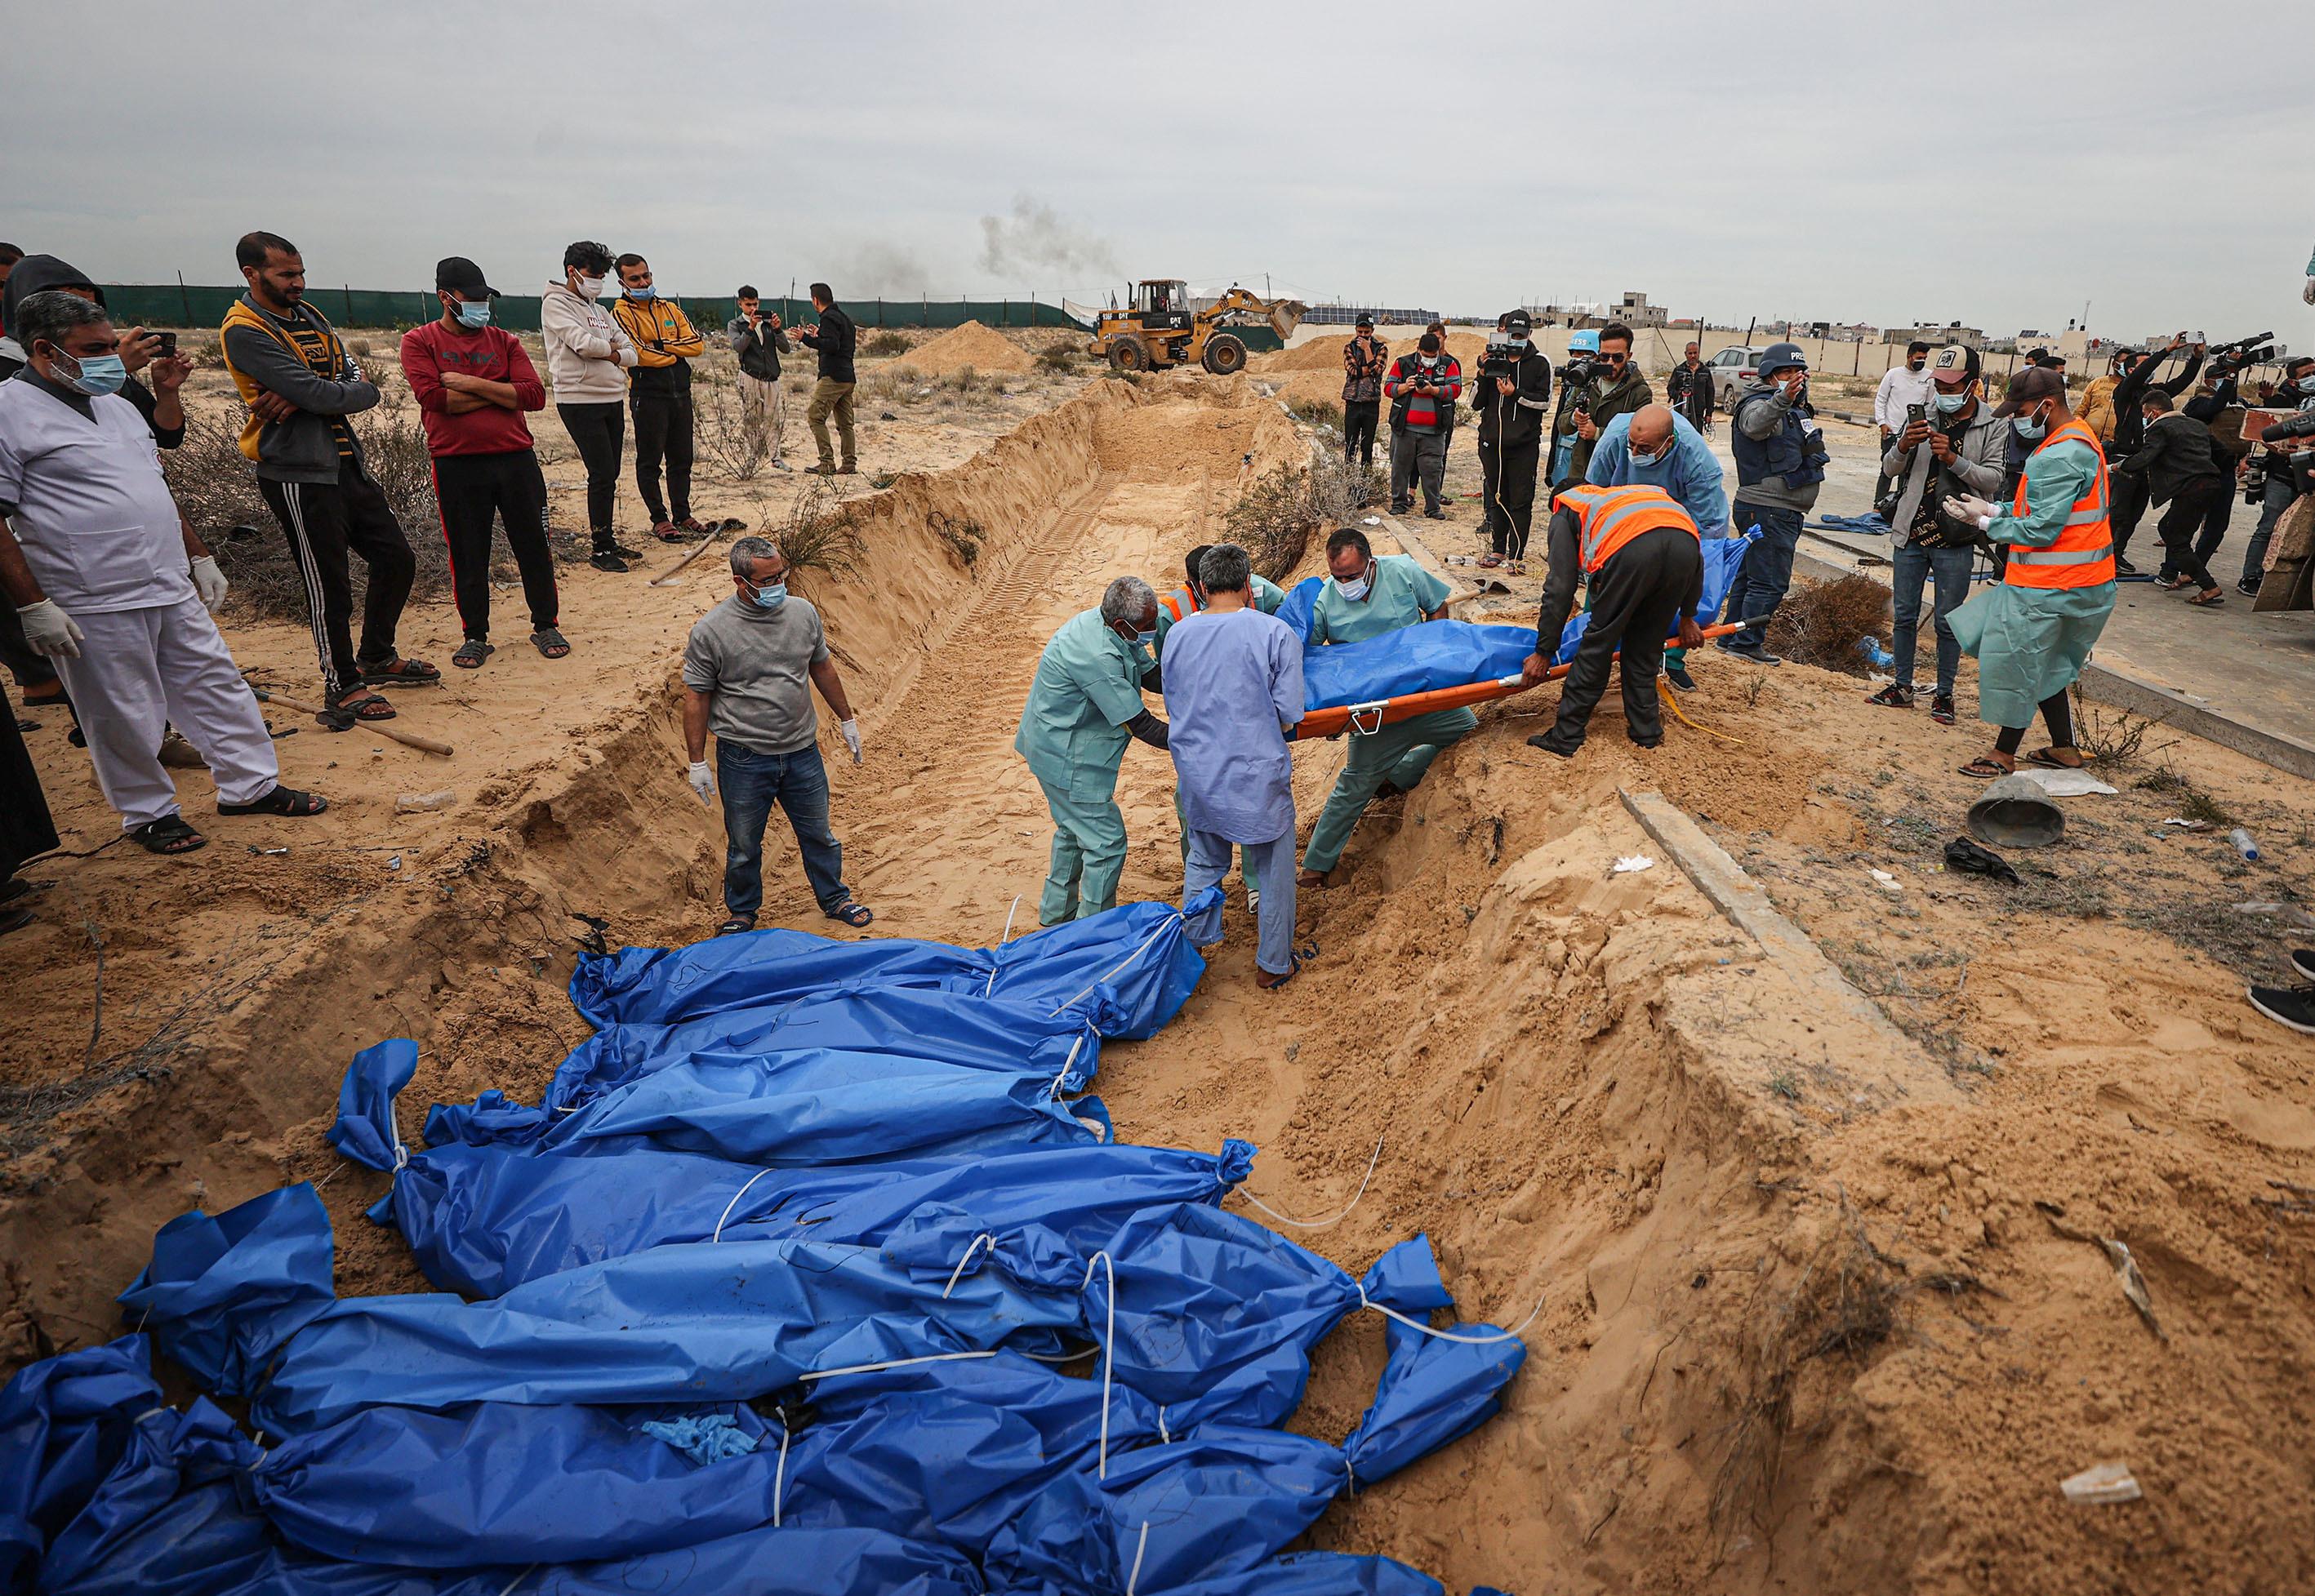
2103	684
1737	896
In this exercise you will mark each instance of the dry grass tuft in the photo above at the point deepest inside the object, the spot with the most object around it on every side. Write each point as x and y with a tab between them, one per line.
1821	623
821	532
1278	513
2112	736
883	345
724	432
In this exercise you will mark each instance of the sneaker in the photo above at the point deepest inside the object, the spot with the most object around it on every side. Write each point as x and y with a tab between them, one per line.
1253	900
1895	696
2293	1006
1941	709
2303	959
1750	651
2249	589
606	560
1435	515
1678	676
2123	567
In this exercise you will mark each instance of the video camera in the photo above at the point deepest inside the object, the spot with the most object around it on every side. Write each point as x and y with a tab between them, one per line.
2228	359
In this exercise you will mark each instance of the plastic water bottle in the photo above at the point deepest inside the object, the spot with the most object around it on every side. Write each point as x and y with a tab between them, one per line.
2245	843
1876	655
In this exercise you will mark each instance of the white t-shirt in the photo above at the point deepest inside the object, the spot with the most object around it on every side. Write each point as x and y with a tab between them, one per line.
1899	388
85	499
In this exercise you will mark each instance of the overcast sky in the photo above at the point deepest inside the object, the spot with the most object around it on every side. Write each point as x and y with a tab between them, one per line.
1996	163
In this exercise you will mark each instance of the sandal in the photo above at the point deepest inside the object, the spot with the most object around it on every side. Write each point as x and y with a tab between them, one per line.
2047	759
279	801
666	533
2210	601
356	704
1295	959
550	643
1895	696
168	835
472	653
852	914
2172	584
1490	561
1986	767
401	673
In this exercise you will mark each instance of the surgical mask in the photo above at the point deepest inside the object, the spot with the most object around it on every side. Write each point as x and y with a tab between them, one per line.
97	375
590	287
770	595
1951	404
1147	639
1655	459
1518	341
473	313
641	293
1355	590
2307	383
2028	426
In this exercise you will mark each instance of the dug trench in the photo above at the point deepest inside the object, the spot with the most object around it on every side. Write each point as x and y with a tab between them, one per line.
1820	1303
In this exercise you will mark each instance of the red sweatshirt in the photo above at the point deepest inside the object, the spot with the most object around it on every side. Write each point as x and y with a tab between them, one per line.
488	352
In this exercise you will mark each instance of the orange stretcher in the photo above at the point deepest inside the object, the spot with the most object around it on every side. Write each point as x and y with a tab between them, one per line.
1366	718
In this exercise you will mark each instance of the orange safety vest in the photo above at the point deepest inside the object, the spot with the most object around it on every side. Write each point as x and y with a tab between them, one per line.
2083	555
1173	602
1606	519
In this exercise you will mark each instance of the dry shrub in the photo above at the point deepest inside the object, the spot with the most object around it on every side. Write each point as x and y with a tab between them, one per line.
724	432
821	532
1065	355
886	343
1821	623
891	383
1318	412
1277	514
1847	1300
2112	736
217	489
962	533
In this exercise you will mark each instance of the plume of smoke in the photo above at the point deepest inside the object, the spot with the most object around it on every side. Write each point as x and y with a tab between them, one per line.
1034	240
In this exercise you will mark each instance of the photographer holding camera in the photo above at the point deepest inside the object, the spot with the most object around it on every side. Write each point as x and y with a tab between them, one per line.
1780	458
1514	387
1592	393
2129	397
1422	388
1948	449
2268	478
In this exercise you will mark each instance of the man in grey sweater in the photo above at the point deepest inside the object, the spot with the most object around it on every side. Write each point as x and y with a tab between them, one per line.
1957	451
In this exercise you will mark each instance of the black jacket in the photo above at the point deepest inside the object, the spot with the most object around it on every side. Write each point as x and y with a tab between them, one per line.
1514	420
2129	421
1690	393
2176	451
833	339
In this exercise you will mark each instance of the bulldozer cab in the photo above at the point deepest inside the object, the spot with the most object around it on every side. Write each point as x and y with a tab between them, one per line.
1162	303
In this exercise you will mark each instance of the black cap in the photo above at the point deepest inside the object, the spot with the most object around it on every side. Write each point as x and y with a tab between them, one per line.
1364	320
2030	386
462	277
1519	321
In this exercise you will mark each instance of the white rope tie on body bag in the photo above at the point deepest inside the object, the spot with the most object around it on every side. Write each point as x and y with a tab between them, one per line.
1164	925
1334	1220
998	958
979	1241
728	1207
1140	1546
1067	1065
1392	1313
1108	1355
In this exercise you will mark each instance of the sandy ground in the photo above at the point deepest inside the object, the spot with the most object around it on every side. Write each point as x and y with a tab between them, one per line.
1820	1310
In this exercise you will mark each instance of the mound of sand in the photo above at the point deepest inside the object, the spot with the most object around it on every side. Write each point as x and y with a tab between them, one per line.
972	344
1324	354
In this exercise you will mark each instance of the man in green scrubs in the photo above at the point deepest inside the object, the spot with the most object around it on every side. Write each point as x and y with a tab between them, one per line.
1179	606
1085	705
1364	598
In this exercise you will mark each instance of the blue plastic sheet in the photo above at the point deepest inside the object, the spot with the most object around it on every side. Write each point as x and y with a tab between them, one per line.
1129	969
1448	654
695	1322
168	1520
223	1292
64	1423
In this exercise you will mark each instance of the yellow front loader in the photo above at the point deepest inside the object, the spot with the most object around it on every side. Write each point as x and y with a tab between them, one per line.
1158	329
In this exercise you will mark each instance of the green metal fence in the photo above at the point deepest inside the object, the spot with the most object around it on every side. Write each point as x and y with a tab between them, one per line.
178	304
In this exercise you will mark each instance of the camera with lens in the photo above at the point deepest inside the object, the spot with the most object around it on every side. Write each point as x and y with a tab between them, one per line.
2254	479
1500	358
2229	359
1577	371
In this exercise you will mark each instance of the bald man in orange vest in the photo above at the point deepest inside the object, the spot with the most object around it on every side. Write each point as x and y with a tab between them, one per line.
1645	559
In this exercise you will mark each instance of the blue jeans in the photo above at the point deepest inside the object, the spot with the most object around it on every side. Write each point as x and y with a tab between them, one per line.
1911	566
2280	496
1767	574
751	784
1271	867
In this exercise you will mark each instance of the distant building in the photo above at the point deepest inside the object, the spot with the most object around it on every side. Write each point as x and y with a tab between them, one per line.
1951	332
1634	310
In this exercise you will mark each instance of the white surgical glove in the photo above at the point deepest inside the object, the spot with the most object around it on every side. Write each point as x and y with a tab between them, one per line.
209	582
703	782
49	630
850	731
1968	506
